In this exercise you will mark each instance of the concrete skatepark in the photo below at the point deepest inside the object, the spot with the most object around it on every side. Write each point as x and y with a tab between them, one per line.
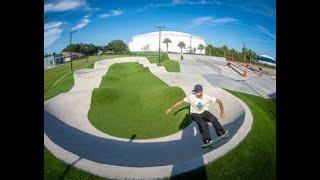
264	86
70	136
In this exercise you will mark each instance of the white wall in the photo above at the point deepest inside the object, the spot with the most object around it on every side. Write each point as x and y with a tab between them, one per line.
152	39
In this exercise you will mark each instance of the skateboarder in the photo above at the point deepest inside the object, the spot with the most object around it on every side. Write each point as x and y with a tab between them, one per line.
199	110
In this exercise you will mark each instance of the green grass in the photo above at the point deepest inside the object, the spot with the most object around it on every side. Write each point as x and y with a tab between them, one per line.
168	64
60	79
131	102
253	158
57	169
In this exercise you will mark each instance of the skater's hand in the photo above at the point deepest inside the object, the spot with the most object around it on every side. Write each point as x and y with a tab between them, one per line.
222	114
168	111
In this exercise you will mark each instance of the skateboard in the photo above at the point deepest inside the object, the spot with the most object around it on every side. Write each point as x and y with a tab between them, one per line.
209	146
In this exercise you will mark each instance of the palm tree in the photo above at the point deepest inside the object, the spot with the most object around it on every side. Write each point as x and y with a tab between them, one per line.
200	47
209	49
167	41
181	44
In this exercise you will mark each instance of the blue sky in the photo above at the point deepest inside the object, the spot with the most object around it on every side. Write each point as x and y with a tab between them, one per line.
219	22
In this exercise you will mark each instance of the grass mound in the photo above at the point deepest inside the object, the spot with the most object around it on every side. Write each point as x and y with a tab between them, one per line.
131	102
168	64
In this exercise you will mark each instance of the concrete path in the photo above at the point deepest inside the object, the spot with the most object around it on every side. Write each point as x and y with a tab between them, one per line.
264	86
70	136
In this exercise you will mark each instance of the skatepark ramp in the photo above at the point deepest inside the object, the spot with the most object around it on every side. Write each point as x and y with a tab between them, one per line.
239	69
195	57
256	71
212	66
69	135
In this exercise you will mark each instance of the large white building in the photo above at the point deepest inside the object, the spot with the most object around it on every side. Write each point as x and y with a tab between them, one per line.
150	42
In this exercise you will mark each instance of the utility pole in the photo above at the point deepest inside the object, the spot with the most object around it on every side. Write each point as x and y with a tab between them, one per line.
70	46
190	44
243	51
160	27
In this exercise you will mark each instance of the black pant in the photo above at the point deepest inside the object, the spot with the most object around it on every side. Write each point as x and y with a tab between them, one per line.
202	119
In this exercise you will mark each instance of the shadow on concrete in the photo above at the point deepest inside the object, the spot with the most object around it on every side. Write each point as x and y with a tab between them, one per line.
273	96
132	137
68	168
200	172
181	153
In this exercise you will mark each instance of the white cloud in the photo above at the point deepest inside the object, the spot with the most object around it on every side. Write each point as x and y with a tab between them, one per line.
111	13
259	40
52	25
200	20
210	20
262	7
265	31
176	3
52	32
65	5
85	21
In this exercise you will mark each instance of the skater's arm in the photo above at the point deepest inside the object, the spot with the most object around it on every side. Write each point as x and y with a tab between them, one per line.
221	107
175	105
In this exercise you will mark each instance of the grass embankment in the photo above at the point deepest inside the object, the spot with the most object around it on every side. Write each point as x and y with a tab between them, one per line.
60	79
131	103
168	64
253	158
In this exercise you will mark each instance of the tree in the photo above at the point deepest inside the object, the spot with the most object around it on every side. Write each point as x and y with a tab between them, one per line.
200	47
167	41
72	48
87	49
117	46
209	49
181	44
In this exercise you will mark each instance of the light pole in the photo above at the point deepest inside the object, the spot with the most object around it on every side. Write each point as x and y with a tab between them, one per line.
190	44
160	27
243	51
70	47
86	53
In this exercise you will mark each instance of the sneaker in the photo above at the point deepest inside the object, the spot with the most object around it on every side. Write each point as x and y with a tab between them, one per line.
223	136
207	144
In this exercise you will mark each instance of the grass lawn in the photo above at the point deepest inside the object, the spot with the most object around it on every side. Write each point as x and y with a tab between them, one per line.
57	169
169	65
60	79
253	158
131	103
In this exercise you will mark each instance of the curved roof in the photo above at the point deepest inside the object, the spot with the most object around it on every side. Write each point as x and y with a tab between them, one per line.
167	33
266	56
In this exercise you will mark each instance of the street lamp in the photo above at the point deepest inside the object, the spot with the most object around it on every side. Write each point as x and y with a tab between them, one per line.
160	39
243	51
190	44
70	46
86	53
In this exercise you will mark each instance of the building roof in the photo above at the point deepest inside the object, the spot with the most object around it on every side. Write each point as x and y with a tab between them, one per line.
167	33
266	56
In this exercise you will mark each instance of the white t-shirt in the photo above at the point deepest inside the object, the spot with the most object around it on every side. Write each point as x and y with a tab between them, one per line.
199	105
